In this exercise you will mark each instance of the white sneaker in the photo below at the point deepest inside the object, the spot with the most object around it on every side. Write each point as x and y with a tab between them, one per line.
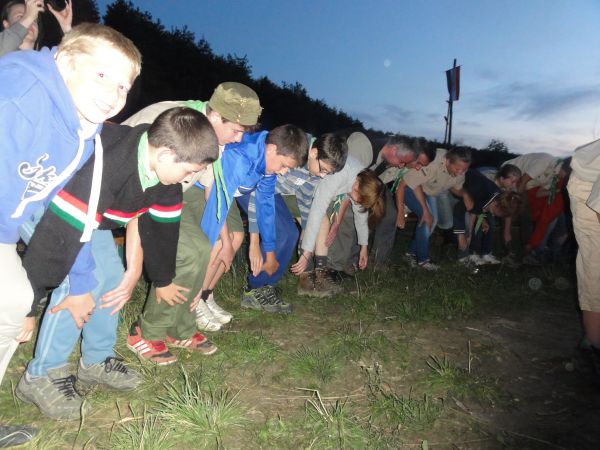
464	261
205	320
490	259
476	259
218	313
428	265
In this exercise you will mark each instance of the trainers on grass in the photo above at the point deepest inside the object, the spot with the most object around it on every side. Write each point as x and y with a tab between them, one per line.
266	299
111	373
197	343
205	319
153	351
428	265
54	395
220	314
489	259
13	435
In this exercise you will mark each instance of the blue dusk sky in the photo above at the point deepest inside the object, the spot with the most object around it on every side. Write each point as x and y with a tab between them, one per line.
530	73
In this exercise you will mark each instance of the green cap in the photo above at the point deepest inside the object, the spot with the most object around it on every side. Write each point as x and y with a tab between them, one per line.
236	102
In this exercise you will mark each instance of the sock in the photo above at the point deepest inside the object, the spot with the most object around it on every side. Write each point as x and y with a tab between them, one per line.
320	262
205	294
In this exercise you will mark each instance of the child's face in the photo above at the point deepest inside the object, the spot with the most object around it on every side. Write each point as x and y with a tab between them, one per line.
509	183
276	163
98	82
227	132
355	193
170	172
456	168
318	167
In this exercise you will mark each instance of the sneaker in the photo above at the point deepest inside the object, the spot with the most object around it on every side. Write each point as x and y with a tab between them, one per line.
411	259
489	259
306	284
13	435
219	313
325	285
266	299
476	260
197	343
111	373
205	319
428	265
465	261
54	395
153	351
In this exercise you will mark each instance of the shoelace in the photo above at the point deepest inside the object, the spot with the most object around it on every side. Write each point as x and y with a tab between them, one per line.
66	386
114	364
271	295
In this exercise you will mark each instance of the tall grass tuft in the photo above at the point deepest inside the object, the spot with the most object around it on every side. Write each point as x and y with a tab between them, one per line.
314	364
200	415
142	433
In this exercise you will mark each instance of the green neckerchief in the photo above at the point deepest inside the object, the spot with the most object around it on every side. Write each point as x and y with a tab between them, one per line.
399	177
337	204
220	186
554	183
198	105
480	219
148	178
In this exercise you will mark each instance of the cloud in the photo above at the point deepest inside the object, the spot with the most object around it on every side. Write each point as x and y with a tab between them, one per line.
531	101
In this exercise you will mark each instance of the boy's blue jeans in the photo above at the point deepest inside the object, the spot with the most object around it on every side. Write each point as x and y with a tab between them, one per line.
287	234
420	243
58	333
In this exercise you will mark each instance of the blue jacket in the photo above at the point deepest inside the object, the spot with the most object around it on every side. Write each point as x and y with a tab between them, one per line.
243	171
39	139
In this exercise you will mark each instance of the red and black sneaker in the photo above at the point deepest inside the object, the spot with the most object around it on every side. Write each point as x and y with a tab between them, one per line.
197	343
153	351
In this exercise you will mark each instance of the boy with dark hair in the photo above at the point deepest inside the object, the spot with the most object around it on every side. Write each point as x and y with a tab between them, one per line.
327	155
232	110
142	171
61	96
253	164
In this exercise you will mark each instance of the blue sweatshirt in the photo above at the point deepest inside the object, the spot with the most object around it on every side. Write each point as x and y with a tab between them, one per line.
40	138
243	171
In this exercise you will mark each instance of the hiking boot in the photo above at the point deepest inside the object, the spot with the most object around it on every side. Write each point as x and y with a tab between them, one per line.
266	299
489	259
111	373
12	435
205	319
429	266
306	284
153	351
219	313
197	343
324	283
54	395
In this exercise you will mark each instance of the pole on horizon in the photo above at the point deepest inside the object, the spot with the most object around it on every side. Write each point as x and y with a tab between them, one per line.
453	81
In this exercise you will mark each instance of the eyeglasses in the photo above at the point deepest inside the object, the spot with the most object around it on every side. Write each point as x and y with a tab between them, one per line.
323	171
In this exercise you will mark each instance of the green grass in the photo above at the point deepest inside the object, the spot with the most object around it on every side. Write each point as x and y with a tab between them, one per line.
313	367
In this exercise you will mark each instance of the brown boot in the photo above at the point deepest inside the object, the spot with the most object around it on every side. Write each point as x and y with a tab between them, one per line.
325	285
306	284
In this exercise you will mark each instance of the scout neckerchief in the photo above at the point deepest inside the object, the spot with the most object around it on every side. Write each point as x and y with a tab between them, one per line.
337	204
399	177
221	187
554	182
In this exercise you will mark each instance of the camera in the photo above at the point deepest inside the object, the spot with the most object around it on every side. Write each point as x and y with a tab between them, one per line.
57	5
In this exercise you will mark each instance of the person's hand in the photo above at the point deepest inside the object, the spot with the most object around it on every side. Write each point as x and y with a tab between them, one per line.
485	226
271	264
333	231
64	17
427	219
26	331
400	219
256	259
363	257
172	294
121	294
225	256
81	307
194	303
469	203
32	9
302	264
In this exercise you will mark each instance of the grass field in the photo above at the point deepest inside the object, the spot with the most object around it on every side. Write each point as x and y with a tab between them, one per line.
402	359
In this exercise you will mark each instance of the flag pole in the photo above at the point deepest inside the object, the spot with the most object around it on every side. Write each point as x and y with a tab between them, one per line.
450	112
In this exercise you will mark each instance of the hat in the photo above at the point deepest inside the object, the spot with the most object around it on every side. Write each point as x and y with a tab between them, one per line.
360	148
236	102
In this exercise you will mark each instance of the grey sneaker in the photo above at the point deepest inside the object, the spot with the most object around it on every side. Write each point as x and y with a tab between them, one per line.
266	299
54	395
12	435
111	373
